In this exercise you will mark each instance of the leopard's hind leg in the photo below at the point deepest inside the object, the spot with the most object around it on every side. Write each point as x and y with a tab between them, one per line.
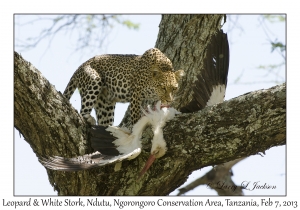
104	111
90	86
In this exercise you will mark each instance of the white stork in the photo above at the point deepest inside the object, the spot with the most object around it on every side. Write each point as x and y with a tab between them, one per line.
115	144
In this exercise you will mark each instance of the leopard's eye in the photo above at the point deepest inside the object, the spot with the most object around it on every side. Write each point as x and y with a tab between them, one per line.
163	89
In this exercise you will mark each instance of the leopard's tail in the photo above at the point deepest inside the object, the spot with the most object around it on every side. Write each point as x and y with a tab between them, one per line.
71	87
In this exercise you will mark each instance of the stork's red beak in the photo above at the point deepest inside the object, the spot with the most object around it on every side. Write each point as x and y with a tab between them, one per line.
147	165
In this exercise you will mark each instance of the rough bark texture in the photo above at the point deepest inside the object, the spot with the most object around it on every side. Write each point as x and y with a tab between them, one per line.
237	128
46	119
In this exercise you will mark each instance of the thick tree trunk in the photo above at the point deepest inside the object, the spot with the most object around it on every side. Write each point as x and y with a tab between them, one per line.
184	38
237	128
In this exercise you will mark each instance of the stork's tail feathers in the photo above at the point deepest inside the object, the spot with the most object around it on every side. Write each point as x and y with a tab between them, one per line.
72	164
84	162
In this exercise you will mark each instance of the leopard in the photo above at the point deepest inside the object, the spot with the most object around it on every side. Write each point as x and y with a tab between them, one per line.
104	80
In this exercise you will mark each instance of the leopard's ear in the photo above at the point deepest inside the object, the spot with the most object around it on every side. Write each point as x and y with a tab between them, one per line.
179	74
151	55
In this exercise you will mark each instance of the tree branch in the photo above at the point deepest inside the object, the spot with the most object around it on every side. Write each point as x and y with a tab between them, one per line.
219	179
237	128
45	118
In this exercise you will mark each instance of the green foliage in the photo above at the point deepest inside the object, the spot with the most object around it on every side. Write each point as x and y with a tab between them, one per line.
57	19
273	69
272	72
92	30
271	66
275	18
129	24
277	45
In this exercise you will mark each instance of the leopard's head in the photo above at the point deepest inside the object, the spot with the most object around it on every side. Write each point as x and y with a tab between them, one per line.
162	79
165	84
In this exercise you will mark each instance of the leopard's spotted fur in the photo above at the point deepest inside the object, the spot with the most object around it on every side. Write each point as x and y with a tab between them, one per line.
106	79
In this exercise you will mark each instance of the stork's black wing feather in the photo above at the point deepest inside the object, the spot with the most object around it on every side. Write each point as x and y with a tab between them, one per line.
213	74
102	141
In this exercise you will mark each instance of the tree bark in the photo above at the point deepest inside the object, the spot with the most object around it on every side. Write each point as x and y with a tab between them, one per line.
237	128
184	38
